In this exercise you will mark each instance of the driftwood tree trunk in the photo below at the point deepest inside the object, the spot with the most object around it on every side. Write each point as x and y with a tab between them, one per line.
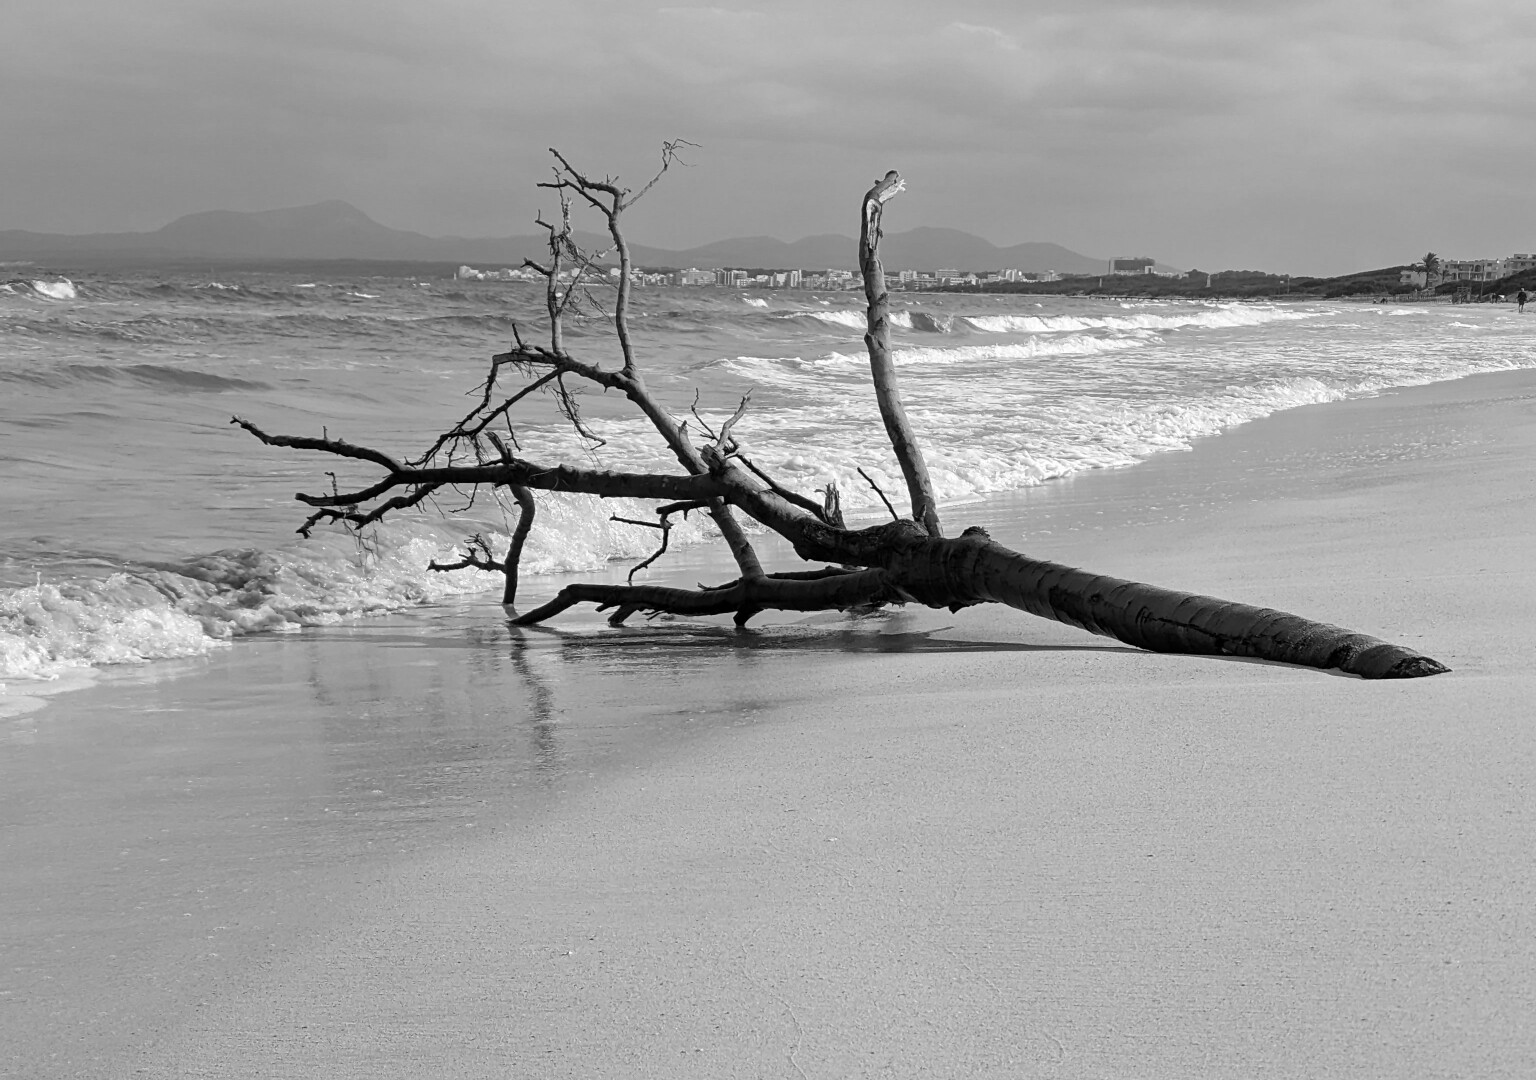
904	561
904	444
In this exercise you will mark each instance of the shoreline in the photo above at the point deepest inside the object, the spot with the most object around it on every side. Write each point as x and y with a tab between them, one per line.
21	694
968	844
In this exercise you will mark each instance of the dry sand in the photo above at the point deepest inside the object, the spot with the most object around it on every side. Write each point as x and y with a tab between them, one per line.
922	845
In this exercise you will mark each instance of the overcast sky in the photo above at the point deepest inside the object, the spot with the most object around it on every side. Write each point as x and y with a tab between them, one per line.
1302	136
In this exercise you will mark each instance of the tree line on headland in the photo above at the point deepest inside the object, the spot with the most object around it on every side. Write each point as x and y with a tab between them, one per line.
1257	285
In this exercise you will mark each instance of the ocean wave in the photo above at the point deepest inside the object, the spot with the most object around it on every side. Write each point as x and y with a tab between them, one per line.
1025	443
162	610
157	376
60	289
929	322
853	320
345	325
1215	316
1210	316
802	373
1074	345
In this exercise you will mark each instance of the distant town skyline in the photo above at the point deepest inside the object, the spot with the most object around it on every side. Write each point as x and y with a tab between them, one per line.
1308	137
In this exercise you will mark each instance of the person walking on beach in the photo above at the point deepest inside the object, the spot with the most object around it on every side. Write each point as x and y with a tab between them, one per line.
1520	298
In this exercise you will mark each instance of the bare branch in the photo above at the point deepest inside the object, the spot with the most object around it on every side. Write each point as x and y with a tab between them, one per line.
339	447
572	412
665	525
825	592
477	551
356	520
461	431
725	429
477	556
783	492
694	408
870	481
670	152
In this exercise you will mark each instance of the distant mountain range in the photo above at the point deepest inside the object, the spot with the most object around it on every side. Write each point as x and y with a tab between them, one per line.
338	230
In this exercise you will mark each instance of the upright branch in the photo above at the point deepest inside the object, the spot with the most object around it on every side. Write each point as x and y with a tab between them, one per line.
610	200
909	455
477	550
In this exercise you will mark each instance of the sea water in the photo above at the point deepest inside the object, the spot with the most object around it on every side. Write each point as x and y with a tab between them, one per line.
138	524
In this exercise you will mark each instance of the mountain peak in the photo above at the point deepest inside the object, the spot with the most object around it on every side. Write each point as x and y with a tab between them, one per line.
333	214
335	229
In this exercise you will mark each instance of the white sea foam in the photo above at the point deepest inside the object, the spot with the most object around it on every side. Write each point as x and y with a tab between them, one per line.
164	611
1075	345
1214	316
63	289
1204	315
45	629
799	372
754	301
1023	442
854	320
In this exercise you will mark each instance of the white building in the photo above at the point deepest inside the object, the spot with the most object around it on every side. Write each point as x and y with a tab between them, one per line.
1471	269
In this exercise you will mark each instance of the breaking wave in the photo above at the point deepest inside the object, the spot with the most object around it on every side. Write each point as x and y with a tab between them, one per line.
1223	315
1208	316
61	289
153	611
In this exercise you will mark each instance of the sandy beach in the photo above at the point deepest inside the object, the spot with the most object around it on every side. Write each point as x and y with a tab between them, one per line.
919	844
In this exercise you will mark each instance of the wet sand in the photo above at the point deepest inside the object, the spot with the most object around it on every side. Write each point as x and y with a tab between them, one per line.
920	844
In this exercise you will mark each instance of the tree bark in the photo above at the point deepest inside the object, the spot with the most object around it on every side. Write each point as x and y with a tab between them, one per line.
904	444
509	565
973	569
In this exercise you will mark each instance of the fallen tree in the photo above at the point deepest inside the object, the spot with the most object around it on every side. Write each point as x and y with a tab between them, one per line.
907	560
